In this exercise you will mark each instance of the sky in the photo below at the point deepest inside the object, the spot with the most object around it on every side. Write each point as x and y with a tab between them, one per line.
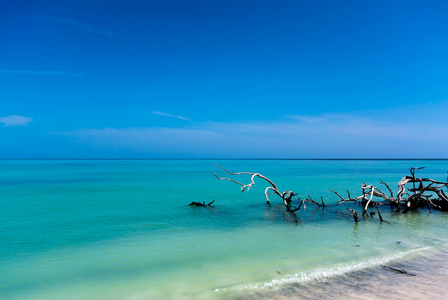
223	79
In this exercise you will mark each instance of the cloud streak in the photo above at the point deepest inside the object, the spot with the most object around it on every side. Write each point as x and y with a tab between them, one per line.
80	25
171	116
14	120
332	136
45	73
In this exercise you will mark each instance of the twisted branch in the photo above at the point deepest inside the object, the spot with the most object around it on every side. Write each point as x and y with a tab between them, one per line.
287	196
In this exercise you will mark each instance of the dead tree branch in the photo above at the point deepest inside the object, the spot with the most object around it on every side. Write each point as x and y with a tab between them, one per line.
421	194
355	214
348	199
425	192
287	196
400	271
200	204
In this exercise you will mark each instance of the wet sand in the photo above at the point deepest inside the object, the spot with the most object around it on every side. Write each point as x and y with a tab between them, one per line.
430	282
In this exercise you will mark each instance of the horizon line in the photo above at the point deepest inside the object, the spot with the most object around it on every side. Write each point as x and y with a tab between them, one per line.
217	158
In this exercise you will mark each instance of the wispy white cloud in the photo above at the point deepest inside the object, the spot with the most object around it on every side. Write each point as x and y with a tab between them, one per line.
77	24
333	136
32	72
14	120
308	119
170	115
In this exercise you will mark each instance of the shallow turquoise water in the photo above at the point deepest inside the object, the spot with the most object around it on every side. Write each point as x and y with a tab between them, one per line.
121	229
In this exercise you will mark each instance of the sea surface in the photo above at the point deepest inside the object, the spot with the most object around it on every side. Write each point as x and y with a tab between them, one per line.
122	229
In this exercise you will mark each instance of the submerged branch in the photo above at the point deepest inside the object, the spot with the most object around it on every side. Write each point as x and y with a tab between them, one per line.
421	194
287	196
354	213
200	204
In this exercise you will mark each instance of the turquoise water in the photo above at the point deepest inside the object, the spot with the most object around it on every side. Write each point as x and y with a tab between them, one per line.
121	229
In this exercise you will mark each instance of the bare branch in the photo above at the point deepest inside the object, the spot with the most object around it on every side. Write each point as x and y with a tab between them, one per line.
355	214
421	194
391	193
287	196
225	178
378	210
251	179
311	200
345	200
342	199
371	196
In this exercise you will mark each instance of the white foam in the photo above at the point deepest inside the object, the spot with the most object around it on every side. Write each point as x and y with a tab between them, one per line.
326	273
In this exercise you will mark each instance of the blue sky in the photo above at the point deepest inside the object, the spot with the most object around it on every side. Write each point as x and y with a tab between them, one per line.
223	79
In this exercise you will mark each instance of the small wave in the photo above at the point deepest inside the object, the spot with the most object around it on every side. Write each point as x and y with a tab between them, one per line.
325	273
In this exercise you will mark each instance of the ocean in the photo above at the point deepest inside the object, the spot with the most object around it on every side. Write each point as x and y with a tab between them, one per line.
122	229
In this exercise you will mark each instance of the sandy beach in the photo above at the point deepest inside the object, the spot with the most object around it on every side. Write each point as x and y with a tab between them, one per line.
429	282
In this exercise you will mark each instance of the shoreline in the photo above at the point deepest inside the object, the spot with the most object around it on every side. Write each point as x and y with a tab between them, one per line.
378	282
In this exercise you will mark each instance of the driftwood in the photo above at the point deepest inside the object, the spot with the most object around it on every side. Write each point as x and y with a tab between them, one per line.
425	192
355	214
418	198
200	204
400	271
287	196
